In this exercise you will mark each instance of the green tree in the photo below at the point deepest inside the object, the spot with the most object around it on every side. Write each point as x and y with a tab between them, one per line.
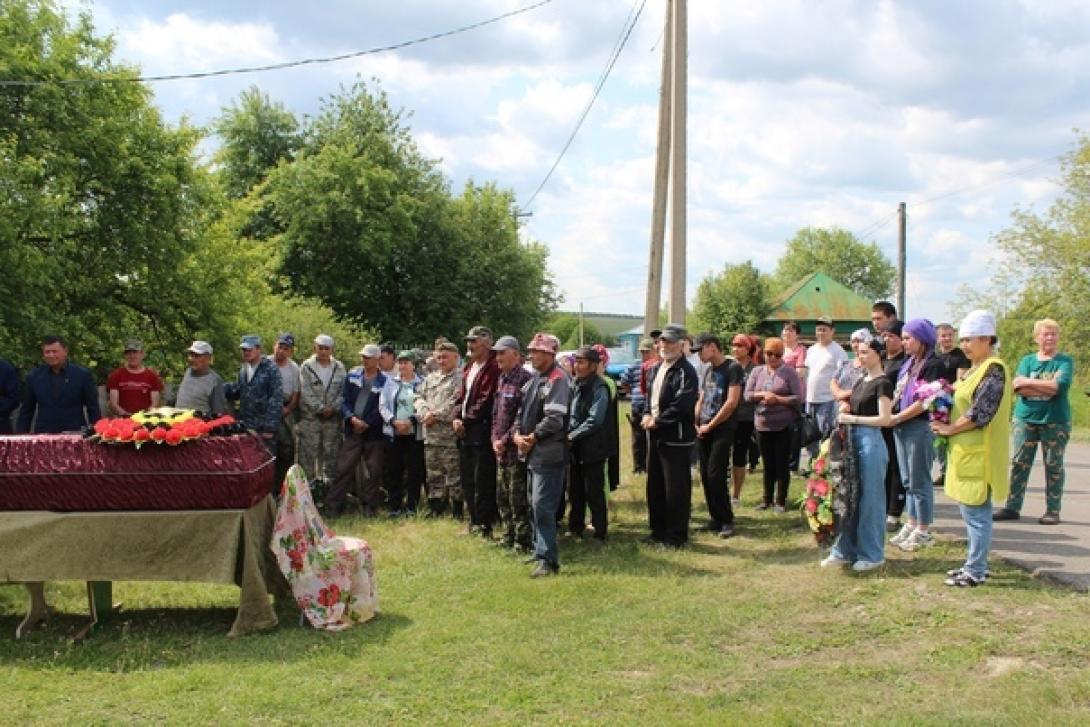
256	133
735	300
104	210
369	227
565	326
838	253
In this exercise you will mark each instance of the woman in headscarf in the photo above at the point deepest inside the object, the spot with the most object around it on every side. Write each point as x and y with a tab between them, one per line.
860	541
912	434
979	445
777	392
851	371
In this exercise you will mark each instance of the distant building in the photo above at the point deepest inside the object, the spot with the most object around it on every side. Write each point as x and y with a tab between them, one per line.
815	296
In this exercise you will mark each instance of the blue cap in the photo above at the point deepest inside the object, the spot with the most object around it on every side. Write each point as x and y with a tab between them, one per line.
250	341
287	339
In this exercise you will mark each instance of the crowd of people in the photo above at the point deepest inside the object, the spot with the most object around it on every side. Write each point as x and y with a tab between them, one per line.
514	448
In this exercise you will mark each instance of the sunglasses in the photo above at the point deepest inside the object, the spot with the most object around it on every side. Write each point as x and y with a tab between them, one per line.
775	354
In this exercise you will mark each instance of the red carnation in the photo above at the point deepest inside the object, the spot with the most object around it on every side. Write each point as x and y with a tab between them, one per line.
819	465
821	488
101	425
158	434
811	505
141	435
174	437
112	432
126	435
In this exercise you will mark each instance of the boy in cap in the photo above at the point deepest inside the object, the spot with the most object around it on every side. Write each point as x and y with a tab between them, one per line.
201	388
321	394
133	387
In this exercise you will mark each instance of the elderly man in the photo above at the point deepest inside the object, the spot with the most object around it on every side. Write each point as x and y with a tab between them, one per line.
201	387
473	425
436	400
364	435
590	445
258	391
59	396
133	387
671	396
512	495
282	358
11	392
542	431
321	394
822	360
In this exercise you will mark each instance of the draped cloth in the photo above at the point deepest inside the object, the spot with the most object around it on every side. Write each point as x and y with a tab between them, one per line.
332	578
843	474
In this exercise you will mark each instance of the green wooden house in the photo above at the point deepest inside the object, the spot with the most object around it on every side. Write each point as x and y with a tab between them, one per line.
815	296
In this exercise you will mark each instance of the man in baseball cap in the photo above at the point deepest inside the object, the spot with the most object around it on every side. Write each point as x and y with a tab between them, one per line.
133	387
201	387
473	424
590	445
259	392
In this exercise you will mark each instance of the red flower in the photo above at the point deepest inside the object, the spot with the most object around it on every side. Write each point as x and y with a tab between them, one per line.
158	434
101	426
329	596
296	558
811	505
141	435
174	437
126	435
821	488
819	466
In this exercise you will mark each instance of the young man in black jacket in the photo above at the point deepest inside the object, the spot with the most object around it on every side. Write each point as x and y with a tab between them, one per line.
590	446
671	406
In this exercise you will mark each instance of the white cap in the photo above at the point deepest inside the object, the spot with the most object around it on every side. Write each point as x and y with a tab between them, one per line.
200	348
370	351
977	323
323	339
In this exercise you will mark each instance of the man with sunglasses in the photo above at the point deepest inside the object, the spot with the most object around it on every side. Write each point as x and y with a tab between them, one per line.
201	387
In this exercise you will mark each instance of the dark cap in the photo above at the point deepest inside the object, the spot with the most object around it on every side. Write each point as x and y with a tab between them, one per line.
134	344
824	321
895	327
287	339
507	343
479	332
655	332
387	348
588	353
674	332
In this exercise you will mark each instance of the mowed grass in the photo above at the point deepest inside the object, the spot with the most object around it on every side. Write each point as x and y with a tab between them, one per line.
748	630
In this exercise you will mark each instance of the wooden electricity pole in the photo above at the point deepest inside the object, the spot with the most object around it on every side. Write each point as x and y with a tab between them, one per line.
679	88
902	259
662	168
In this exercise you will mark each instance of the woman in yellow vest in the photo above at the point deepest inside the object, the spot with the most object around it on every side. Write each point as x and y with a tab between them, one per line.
979	436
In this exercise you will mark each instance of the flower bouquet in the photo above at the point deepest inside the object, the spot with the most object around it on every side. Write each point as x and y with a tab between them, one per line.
817	503
164	425
937	398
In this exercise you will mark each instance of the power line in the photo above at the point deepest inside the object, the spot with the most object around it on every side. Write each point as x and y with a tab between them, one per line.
277	66
626	32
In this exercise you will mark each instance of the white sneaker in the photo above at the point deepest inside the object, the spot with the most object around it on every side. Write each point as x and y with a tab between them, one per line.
902	535
918	539
833	560
866	565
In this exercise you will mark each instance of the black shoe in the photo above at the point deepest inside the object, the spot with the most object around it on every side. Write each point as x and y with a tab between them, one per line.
457	510
1003	513
544	570
726	531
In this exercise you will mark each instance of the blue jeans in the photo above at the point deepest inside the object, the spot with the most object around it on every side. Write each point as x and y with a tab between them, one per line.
863	537
825	414
546	487
978	524
915	455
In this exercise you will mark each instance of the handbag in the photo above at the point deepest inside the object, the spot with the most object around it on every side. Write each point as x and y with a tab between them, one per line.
809	431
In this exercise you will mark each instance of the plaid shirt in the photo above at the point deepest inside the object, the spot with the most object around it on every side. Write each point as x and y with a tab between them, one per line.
505	411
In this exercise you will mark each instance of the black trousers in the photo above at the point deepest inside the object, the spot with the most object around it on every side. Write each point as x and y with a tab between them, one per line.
639	445
715	461
776	450
478	466
588	487
895	489
669	491
404	472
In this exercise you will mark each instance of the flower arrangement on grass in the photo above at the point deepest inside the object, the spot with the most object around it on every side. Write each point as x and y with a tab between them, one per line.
937	398
817	503
164	425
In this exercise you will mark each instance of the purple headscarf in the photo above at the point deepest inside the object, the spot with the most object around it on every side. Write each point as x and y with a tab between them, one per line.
923	331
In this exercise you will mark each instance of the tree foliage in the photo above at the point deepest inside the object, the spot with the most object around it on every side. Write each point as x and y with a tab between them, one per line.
370	228
735	300
565	326
859	265
256	133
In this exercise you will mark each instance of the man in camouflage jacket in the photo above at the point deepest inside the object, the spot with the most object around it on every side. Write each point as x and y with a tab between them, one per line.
436	401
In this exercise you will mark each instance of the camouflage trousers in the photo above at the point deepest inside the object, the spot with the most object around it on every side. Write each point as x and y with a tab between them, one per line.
513	501
1053	440
444	480
319	441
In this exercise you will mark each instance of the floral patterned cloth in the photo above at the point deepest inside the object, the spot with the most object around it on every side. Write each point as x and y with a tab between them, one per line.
331	577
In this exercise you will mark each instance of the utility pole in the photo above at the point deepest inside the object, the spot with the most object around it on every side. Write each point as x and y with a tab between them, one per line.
678	220
662	168
902	257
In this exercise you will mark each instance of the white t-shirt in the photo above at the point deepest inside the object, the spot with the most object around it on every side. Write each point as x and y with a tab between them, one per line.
289	375
821	365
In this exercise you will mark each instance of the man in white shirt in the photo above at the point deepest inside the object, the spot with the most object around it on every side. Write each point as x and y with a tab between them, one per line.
822	360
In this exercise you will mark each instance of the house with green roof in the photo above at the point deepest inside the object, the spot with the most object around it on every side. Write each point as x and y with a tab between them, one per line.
815	296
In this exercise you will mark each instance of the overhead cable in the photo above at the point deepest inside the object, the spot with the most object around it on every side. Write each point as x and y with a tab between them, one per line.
273	66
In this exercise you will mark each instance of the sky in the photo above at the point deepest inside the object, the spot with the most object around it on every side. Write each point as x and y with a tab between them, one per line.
800	114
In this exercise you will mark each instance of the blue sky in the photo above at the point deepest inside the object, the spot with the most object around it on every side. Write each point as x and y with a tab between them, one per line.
801	113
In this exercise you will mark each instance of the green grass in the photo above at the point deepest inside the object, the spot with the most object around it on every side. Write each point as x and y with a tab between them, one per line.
745	630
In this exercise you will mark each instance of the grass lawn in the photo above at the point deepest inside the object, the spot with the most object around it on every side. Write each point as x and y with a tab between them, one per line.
745	630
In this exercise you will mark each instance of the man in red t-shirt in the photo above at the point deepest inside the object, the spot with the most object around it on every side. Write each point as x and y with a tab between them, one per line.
133	387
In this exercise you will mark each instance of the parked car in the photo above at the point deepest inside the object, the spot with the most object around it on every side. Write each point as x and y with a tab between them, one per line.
619	361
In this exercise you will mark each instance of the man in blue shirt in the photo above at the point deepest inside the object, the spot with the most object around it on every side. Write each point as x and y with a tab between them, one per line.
62	395
11	392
